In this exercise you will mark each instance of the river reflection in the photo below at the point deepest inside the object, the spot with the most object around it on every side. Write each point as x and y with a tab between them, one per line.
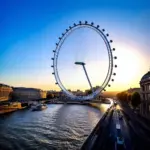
58	127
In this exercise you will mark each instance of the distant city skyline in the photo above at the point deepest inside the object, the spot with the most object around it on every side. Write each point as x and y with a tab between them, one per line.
30	30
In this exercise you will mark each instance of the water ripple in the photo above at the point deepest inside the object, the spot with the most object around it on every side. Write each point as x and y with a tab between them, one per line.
57	128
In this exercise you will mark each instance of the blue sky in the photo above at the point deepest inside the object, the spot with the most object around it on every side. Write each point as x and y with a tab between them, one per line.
30	29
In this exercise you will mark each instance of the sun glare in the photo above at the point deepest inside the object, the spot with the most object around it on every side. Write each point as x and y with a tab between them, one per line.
128	66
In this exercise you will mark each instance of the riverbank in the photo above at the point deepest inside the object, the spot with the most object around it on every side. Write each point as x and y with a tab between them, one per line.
99	106
14	106
10	107
100	131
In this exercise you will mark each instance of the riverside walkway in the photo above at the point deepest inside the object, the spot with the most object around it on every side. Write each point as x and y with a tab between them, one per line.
116	132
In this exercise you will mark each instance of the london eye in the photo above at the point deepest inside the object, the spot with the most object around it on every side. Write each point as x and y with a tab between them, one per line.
110	72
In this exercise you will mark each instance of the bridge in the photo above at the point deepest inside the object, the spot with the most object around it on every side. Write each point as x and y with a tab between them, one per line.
26	103
63	101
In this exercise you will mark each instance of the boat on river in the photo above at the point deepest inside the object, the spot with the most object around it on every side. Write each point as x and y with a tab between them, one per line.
39	107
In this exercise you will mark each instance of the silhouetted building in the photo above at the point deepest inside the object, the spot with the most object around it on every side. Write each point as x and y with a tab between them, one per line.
5	92
78	93
22	93
145	95
54	93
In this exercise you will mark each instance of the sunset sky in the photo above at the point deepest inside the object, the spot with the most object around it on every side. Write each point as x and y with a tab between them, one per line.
30	29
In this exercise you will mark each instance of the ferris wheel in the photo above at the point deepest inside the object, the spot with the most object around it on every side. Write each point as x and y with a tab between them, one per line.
111	66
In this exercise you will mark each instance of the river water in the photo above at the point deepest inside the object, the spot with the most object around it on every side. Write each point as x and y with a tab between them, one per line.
59	127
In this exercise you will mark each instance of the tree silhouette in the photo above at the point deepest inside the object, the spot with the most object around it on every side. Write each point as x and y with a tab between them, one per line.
122	96
129	98
50	96
136	99
69	90
89	92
